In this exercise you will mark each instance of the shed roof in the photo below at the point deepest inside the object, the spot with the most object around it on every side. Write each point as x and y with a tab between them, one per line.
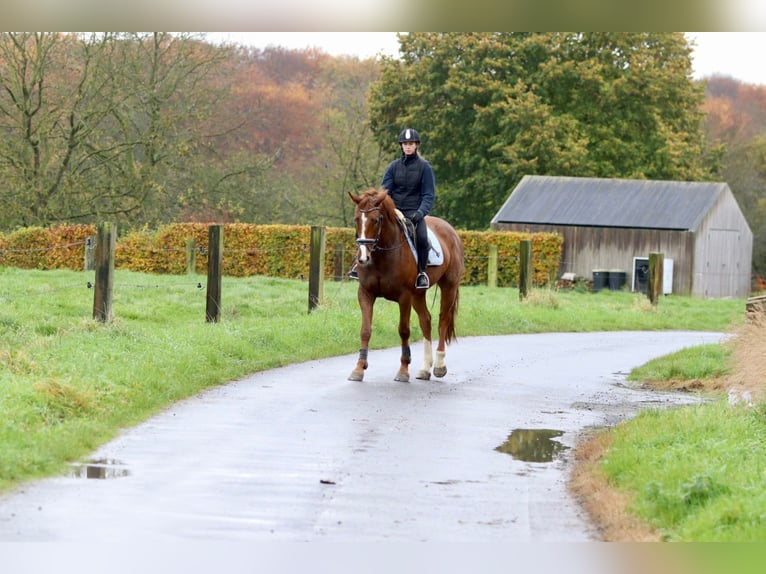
596	202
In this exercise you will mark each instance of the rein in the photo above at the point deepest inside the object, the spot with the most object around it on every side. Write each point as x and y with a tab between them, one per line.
374	242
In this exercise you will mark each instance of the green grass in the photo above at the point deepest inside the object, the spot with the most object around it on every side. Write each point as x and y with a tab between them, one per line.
697	472
700	362
69	383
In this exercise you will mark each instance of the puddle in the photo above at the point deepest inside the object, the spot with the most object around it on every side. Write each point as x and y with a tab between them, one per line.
533	445
99	468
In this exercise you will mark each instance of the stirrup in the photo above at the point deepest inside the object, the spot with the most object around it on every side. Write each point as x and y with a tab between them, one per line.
422	281
352	274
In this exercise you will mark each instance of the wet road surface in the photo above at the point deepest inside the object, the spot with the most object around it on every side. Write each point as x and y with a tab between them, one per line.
301	454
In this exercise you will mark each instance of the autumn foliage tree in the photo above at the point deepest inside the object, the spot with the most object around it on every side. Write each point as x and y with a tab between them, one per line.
348	159
264	125
307	112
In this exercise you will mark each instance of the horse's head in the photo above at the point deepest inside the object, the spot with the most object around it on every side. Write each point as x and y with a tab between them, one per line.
374	208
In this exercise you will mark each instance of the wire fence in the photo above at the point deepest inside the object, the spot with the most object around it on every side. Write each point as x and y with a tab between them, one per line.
292	259
474	260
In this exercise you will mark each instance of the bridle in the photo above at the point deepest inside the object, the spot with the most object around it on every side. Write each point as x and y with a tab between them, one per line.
373	243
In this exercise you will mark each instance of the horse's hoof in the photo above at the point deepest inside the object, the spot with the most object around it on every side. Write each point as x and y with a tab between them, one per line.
423	376
402	378
356	376
440	371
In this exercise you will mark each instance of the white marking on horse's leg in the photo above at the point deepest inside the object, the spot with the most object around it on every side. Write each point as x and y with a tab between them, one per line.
425	370
440	358
440	367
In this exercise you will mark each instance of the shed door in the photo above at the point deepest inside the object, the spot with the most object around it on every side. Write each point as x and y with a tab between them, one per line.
722	264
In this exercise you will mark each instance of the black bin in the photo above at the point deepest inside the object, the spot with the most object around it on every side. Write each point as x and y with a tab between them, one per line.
617	279
600	279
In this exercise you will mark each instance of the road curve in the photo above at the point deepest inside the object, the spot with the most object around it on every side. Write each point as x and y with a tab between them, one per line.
300	453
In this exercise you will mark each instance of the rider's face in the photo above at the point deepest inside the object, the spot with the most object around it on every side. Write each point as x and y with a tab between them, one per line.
409	147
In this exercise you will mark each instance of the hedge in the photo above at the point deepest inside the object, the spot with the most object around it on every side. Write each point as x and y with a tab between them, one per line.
60	247
267	250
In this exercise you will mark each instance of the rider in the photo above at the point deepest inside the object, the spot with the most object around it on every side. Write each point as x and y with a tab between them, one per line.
411	183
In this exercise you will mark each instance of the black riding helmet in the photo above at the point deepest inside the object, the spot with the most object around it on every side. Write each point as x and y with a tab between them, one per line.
409	135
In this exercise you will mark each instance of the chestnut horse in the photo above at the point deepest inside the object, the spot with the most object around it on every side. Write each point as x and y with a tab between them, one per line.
387	268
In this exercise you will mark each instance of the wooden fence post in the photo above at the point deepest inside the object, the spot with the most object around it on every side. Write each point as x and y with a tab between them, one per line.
338	262
214	265
90	253
106	242
191	256
492	267
654	278
525	268
316	267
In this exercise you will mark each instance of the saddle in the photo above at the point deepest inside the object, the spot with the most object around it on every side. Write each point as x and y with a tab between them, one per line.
435	254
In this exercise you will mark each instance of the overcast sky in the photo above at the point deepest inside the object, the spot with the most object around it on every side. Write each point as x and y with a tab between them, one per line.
736	54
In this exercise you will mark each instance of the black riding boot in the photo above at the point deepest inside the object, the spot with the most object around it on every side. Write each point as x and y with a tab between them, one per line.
422	281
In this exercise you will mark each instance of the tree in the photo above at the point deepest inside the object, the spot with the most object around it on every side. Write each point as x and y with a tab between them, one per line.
307	111
493	107
54	91
735	121
118	126
166	126
273	97
348	159
735	113
745	172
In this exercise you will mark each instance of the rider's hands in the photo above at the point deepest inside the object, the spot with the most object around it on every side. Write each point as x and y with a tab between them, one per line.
416	217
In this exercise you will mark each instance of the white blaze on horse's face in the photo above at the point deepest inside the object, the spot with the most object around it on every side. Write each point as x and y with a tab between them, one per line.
367	236
364	252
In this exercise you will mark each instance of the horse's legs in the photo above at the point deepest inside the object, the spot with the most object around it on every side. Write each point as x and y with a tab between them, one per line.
405	308
366	303
424	316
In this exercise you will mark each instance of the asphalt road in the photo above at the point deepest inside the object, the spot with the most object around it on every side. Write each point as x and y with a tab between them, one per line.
302	454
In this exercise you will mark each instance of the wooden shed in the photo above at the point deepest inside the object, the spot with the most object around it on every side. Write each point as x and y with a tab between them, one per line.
610	224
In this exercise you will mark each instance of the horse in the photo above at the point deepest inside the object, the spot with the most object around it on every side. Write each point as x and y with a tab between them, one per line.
387	268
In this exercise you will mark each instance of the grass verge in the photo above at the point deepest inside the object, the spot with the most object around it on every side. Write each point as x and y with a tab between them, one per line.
692	474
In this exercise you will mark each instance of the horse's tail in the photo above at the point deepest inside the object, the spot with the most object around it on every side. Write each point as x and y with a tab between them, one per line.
451	315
